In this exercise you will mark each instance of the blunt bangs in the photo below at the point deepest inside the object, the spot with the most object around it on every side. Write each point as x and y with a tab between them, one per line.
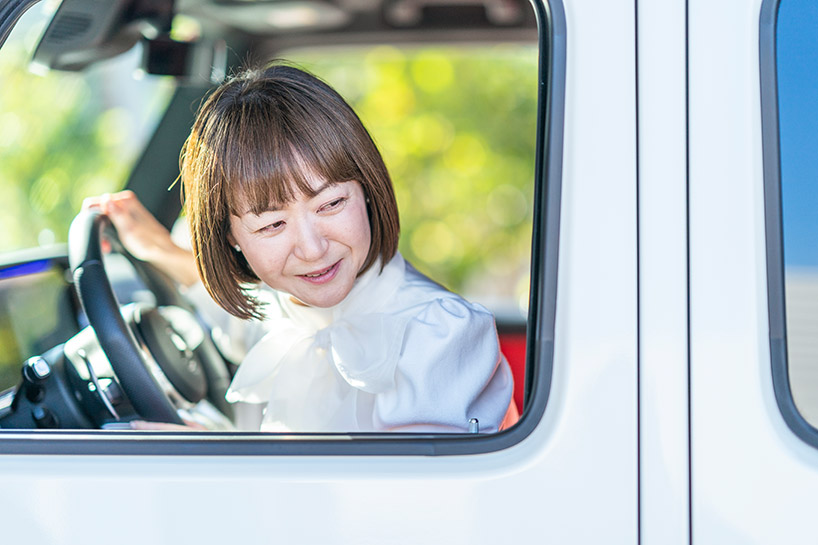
266	157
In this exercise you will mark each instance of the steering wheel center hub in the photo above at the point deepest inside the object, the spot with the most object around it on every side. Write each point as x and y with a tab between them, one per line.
169	339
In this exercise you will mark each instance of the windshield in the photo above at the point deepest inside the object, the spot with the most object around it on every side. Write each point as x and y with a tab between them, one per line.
66	135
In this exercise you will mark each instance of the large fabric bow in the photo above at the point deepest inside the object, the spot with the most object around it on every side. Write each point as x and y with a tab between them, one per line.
313	364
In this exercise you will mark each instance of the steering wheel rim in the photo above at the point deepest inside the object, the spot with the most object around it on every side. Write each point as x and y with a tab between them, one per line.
102	309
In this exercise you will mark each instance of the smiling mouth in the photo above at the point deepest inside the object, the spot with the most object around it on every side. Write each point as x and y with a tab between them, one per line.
324	275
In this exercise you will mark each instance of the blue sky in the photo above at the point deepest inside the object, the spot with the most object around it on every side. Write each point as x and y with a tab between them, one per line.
797	52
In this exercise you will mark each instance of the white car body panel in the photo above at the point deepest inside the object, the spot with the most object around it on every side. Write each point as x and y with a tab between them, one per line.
663	358
587	436
753	480
641	440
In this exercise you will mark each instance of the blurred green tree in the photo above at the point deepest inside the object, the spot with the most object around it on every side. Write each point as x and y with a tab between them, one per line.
64	136
457	128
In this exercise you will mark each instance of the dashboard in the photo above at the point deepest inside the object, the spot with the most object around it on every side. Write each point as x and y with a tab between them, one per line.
54	372
40	316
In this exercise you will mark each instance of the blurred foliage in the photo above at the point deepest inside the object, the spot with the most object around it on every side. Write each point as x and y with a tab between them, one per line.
64	136
457	128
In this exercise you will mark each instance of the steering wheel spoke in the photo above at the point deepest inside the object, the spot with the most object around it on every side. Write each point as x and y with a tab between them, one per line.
162	358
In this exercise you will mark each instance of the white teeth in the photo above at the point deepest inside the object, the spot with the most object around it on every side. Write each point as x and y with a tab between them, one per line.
316	275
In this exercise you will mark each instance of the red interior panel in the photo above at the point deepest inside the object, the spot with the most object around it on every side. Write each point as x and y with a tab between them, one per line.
513	347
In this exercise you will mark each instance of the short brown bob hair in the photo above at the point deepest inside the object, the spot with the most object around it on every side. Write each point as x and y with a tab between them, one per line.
255	139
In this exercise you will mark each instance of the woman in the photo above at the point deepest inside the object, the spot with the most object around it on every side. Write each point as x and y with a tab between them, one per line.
294	228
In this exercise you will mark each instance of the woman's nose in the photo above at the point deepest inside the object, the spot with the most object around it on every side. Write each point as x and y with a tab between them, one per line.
311	244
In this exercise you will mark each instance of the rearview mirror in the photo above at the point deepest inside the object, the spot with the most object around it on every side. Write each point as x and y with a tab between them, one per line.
86	31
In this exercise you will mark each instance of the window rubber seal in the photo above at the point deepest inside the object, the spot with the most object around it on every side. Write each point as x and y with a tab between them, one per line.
771	155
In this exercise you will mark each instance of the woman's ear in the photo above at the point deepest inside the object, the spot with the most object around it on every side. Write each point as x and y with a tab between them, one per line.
231	240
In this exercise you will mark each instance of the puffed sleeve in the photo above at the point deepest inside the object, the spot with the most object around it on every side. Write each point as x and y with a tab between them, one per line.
449	371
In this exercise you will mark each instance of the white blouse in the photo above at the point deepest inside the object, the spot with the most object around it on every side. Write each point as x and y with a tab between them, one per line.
399	352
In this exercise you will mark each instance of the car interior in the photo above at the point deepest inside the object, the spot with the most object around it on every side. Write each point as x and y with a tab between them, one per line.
91	337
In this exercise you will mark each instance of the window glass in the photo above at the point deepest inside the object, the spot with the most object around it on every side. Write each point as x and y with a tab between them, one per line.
797	65
456	127
65	135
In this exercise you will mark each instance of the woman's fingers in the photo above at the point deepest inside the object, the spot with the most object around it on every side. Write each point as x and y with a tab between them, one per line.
138	230
92	202
143	236
163	426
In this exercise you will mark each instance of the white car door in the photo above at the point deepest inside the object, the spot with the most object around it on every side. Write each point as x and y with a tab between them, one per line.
754	474
568	473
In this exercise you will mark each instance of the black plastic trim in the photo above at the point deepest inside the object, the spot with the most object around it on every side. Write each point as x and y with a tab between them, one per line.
771	141
540	342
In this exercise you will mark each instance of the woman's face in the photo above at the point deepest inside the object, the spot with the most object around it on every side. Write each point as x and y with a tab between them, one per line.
312	247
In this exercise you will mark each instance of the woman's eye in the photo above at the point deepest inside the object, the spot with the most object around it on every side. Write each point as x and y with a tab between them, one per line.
334	204
275	226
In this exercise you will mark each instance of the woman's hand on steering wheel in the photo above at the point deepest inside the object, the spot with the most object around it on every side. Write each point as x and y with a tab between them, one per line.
143	236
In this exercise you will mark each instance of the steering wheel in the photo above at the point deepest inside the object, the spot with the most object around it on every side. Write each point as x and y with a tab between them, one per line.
186	373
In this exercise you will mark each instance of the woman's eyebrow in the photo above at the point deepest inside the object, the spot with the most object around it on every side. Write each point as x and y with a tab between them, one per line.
326	185
275	207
